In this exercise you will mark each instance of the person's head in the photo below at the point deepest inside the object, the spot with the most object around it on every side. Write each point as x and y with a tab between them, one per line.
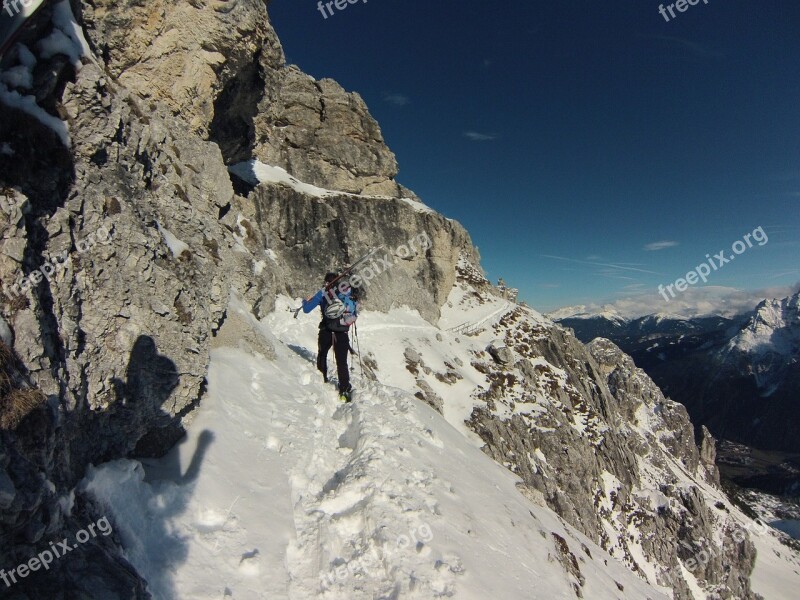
329	277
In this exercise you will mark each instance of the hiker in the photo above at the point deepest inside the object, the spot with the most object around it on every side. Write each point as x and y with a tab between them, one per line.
339	308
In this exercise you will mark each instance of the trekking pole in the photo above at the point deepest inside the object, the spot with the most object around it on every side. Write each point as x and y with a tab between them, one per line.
358	349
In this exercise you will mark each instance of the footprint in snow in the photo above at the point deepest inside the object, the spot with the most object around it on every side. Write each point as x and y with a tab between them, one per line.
249	563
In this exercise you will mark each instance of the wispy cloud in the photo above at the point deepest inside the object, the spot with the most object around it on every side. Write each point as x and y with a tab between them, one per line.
695	302
691	47
662	245
479	137
396	99
785	273
619	266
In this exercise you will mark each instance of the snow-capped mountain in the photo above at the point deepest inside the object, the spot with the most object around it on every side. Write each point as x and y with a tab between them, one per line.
160	381
739	376
769	345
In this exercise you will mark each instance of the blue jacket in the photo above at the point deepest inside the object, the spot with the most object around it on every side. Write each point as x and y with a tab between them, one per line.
320	300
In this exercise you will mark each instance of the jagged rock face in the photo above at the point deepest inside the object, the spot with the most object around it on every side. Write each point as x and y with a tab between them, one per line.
310	236
186	54
610	454
325	136
221	67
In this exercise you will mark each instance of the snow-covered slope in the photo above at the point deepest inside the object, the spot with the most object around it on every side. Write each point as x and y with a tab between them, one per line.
280	491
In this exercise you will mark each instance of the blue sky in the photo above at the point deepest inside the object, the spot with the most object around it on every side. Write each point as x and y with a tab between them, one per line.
583	130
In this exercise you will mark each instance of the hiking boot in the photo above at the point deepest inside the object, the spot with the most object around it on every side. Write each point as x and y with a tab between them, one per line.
346	395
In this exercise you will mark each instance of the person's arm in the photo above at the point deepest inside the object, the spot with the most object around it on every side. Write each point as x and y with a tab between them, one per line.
312	302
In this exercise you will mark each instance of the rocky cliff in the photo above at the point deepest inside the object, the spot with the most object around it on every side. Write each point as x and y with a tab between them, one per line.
126	130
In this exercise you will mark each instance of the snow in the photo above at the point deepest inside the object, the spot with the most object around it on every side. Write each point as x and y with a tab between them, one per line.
702	301
66	38
59	43
17	77
25	56
279	491
776	573
385	337
418	205
28	105
176	246
463	309
774	329
255	172
64	20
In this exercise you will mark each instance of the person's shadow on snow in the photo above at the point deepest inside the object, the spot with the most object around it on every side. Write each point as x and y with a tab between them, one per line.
151	378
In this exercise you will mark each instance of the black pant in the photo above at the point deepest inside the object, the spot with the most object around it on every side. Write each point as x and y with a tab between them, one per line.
340	340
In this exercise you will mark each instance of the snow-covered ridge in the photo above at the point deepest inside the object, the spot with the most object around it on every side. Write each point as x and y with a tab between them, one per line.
280	490
293	495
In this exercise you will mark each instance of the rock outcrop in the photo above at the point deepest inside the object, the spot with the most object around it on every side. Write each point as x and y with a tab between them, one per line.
596	437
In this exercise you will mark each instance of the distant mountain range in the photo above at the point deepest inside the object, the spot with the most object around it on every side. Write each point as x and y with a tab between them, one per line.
738	375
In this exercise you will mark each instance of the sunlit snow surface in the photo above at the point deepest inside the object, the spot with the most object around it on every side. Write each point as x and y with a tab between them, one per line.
279	484
281	492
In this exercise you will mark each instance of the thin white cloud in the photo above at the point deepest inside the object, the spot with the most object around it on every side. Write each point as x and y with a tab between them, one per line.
476	136
396	99
688	45
663	245
694	302
619	266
